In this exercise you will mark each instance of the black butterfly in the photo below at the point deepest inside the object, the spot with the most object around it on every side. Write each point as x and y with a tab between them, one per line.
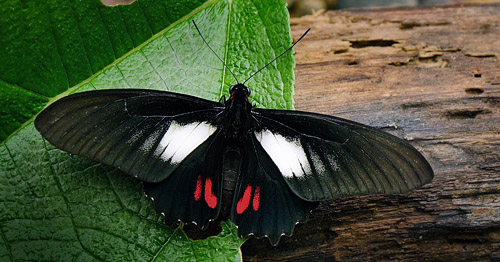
201	160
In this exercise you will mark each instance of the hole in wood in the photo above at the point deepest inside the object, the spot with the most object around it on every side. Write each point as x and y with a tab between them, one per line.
435	61
465	113
368	43
474	91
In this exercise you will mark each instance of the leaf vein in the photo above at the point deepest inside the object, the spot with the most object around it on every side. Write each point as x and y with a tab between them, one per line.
139	3
98	11
122	204
2	233
155	70
117	236
126	28
72	11
58	51
157	253
179	62
68	207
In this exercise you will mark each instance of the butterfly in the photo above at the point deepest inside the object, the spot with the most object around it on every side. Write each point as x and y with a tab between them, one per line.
202	160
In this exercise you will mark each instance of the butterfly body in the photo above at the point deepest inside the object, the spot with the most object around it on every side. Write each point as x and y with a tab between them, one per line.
235	123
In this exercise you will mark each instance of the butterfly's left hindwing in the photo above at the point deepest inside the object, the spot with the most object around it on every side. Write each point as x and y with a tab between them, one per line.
193	192
263	203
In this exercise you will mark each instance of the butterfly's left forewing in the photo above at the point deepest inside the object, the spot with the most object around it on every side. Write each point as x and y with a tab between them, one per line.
321	157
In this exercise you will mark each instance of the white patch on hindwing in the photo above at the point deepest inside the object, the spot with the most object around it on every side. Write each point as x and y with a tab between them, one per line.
287	153
180	140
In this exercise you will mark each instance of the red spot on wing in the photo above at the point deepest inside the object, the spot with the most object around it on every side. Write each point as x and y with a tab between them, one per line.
256	199
197	191
210	198
242	204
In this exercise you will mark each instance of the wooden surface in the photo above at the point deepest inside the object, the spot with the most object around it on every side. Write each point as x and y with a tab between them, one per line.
431	76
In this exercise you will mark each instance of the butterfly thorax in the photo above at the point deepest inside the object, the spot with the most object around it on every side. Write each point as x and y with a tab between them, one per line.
236	122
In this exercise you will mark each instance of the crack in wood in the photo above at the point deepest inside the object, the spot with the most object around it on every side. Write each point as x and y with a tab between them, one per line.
465	113
406	25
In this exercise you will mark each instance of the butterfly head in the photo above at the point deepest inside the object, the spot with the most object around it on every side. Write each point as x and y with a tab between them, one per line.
239	91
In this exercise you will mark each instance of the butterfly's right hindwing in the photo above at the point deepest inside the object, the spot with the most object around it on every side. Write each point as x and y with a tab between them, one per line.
144	133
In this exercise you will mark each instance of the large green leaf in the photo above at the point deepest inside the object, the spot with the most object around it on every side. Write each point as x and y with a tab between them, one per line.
54	206
47	47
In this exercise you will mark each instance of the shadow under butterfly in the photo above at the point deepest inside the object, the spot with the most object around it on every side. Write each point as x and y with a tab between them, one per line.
201	160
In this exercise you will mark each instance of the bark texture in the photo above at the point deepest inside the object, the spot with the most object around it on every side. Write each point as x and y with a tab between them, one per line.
431	76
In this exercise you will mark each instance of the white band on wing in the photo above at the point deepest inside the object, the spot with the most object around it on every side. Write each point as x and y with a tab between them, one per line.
180	140
287	153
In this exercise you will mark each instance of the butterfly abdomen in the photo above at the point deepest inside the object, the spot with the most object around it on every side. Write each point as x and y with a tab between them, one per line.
230	173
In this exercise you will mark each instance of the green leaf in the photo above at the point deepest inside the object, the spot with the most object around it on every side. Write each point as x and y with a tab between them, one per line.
54	206
47	47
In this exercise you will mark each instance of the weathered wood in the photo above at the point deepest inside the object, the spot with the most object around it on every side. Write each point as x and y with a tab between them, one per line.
431	76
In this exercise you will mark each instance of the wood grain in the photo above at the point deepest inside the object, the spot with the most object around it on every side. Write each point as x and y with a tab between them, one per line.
431	76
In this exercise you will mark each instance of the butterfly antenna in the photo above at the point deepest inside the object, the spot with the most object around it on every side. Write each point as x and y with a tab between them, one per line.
304	34
194	23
